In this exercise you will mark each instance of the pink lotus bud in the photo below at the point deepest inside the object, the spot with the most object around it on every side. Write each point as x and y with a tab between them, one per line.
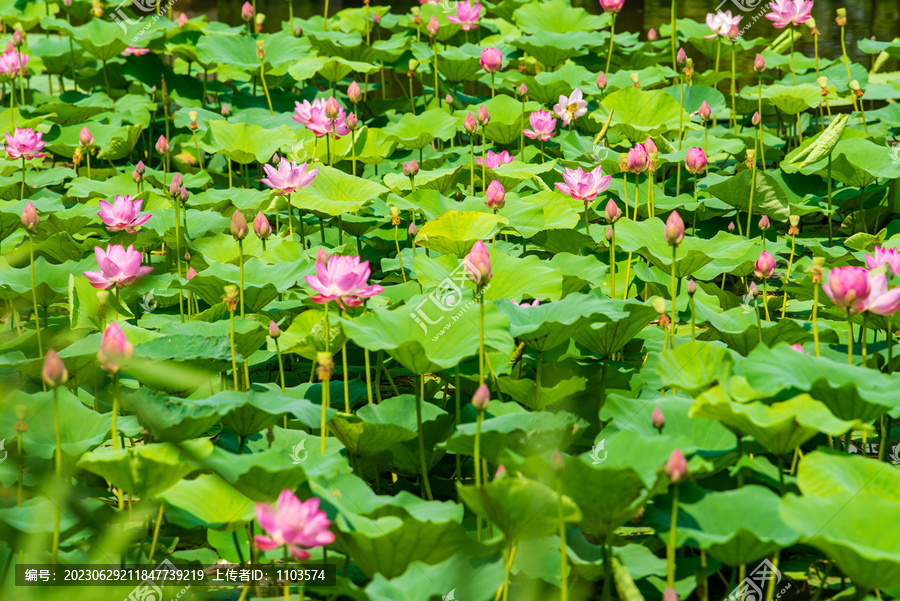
731	226
482	398
759	64
676	466
674	229
847	286
187	256
162	145
650	146
67	2
332	108
85	138
601	80
652	35
115	350
695	160
225	110
352	122
175	186
705	111
433	26
523	89
54	371
183	194
411	168
681	57
765	266
637	159
274	332
494	198
182	20
609	234
612	211
478	264
557	462
670	594
612	6
733	33
30	218
764	223
261	226
354	92
491	60
191	272
322	256
691	287
239	227
469	124
483	116
247	11
500	471
752	290
657	419
797	347
140	168
18	38
448	99
412	230
376	18
755	119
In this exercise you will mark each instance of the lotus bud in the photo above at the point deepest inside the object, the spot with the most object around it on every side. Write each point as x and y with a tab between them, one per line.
731	226
650	146
162	145
411	169
18	38
691	287
609	234
354	93
448	99
759	63
652	35
612	211
764	223
637	159
756	118
182	20
657	419
681	57
115	350
841	19
500	471
635	79
85	138
676	467
670	594
53	372
433	26
352	122
187	256
67	2
225	110
376	18
522	90
230	297
175	186
612	6
733	33
30	218
483	116
764	266
140	168
494	197
659	305
412	230
469	124
601	80
332	108
478	264
247	11
191	272
674	229
183	194
491	60
705	112
695	160
274	332
239	227
261	226
482	398
557	462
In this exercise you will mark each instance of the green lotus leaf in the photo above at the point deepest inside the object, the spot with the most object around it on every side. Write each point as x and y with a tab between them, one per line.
455	232
188	504
553	49
694	366
547	326
417	131
623	319
375	428
546	87
456	65
471	578
768	196
527	392
639	113
262	283
557	16
334	192
245	143
648	239
793	99
104	40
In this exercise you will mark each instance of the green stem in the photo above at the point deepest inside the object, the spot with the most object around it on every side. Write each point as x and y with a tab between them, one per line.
830	208
612	262
399	256
159	518
674	253
457	399
674	36
368	377
563	553
481	357
37	323
766	298
815	311
472	165
22	195
423	466
863	336
670	548
849	339
58	468
233	355
733	86
241	259
612	38
693	321
280	365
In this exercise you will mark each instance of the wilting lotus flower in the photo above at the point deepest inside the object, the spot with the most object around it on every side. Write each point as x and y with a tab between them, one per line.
884	256
494	197
491	60
119	267
764	266
695	160
848	286
25	144
288	176
494	160
612	6
123	214
789	12
584	186
721	23
542	124
342	279
293	524
571	108
135	51
115	350
467	15
880	301
637	159
478	264
674	229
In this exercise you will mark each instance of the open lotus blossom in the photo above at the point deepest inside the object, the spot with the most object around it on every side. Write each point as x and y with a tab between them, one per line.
848	286
789	12
11	64
342	279
467	15
288	176
123	214
880	300
297	525
495	159
328	119
303	111
884	256
721	23
119	267
582	185
543	126
571	108
25	144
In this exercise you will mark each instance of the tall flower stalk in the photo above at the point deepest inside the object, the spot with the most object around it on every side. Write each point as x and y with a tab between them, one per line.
676	469
54	375
30	221
674	236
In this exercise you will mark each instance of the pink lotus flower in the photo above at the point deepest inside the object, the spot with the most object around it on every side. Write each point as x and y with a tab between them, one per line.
115	350
10	64
25	144
880	301
542	126
584	186
119	267
303	111
342	279
354	93
321	124
433	25
721	23
288	176
478	264
495	159
494	197
674	229
612	6
695	160
191	273
135	51
571	108
247	11
491	60
30	217
467	15
123	214
535	303
294	524
764	266
882	256
848	286
789	12
637	159
182	20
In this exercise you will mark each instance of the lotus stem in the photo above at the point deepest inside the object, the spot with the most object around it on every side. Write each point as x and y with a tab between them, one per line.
281	365
830	207
563	552
472	165
159	518
87	158
718	54
750	205
612	262
483	162
509	554
399	256
863	336
262	76
37	323
766	297
326	383
733	86
846	64
241	259
353	152
481	357
758	320
22	195
762	150
234	370
815	310
691	298
542	153
423	465
522	132
674	264
346	373
325	23
849	341
21	469
788	276
770	591
58	467
793	69
674	35
412	95
612	39
670	547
